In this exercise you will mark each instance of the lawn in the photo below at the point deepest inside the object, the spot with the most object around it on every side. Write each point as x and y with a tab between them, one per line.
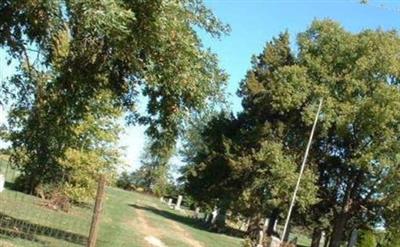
129	219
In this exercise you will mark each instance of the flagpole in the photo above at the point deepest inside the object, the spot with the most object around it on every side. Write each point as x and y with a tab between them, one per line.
301	171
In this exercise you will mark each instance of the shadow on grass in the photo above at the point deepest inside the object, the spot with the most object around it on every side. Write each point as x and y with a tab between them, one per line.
18	228
192	222
9	185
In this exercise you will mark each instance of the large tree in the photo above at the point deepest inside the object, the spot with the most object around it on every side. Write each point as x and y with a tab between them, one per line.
72	50
354	156
356	144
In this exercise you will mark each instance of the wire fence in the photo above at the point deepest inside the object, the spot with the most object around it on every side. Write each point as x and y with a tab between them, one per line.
27	220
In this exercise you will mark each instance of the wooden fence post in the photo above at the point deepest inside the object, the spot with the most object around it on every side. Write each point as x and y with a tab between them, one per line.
94	228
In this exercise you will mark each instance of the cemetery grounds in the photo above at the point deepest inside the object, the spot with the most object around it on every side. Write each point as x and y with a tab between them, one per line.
128	219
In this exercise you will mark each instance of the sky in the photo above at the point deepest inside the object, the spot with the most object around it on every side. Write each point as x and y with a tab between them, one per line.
253	23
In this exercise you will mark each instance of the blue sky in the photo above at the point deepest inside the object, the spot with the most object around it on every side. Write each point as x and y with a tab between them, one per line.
253	23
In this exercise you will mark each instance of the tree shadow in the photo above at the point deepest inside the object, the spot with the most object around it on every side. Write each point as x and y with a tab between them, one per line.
9	185
192	222
23	229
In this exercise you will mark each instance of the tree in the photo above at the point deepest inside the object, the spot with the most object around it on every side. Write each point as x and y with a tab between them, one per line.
356	144
228	172
91	148
70	51
124	181
354	156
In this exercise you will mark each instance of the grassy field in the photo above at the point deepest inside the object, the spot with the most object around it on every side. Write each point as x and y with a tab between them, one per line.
129	219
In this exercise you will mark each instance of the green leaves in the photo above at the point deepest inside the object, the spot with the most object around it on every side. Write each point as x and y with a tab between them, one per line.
74	52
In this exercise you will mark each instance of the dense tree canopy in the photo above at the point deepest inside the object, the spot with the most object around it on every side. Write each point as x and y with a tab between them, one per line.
354	157
70	51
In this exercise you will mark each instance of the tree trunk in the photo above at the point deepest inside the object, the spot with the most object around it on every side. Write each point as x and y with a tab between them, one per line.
253	228
316	237
220	220
327	240
338	230
271	223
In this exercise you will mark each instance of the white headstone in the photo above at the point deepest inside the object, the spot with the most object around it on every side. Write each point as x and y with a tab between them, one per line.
179	202
245	225
2	181
162	199
261	239
170	202
214	215
322	239
276	223
197	213
207	217
265	226
275	242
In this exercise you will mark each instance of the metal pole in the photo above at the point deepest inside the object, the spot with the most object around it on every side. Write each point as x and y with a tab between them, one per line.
301	172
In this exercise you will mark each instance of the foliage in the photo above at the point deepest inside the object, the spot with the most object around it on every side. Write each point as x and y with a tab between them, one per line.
246	163
389	238
124	181
366	239
355	148
91	151
353	163
71	51
151	176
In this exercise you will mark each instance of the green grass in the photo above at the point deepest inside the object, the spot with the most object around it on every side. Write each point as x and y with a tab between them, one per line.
128	217
121	226
119	223
26	221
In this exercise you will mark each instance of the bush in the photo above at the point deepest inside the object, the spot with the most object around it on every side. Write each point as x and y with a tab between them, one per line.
124	181
54	196
367	239
391	238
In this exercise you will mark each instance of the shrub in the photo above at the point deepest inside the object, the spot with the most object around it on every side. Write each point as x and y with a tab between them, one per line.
367	239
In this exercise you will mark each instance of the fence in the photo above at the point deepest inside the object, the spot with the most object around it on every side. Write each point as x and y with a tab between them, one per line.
27	220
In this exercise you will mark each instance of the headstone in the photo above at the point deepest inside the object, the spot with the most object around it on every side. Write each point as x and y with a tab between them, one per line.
353	238
275	225
275	242
162	199
245	225
207	217
170	202
265	226
322	239
214	215
2	181
179	202
260	239
197	213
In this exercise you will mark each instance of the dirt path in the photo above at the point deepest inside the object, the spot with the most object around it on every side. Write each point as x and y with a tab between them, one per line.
151	234
185	235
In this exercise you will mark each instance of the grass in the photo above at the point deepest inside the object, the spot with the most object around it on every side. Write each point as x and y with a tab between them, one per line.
25	221
122	226
128	217
119	224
